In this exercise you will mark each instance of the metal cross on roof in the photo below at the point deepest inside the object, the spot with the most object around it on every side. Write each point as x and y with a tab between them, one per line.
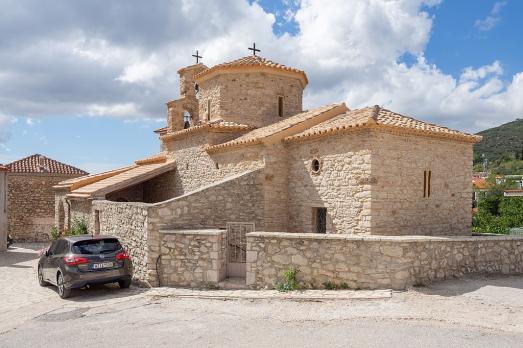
197	56
254	49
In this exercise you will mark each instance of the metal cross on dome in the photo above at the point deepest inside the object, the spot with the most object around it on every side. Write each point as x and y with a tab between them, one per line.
254	49
196	56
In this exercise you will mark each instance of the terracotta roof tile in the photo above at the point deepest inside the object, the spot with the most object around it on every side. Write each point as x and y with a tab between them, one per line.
257	135
122	180
40	164
376	116
218	125
253	62
481	183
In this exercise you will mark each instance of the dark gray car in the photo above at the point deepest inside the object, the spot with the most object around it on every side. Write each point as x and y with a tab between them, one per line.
74	262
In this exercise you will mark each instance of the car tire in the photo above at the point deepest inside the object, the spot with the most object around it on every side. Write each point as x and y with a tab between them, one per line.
124	283
63	291
41	280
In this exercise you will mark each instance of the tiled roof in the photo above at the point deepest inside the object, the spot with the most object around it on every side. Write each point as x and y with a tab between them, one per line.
161	131
375	116
256	136
40	164
218	125
480	183
250	62
158	158
122	180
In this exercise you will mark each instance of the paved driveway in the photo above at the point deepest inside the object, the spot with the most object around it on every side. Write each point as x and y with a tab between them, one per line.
466	313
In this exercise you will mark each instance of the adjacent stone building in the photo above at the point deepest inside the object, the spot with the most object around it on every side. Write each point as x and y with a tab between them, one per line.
27	196
248	183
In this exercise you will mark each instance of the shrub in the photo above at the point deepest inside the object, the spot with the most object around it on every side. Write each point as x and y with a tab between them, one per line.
329	285
344	286
55	233
79	227
289	281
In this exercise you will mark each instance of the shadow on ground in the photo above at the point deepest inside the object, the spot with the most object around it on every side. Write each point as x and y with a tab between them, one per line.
12	257
470	284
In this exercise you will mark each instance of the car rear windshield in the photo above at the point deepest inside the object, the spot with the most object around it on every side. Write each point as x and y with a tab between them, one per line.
96	246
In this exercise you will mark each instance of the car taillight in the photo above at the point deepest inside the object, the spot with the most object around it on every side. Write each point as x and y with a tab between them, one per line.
73	260
122	256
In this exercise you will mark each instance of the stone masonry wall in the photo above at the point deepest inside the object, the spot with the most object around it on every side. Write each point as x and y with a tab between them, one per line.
80	210
195	168
236	199
398	206
128	222
372	262
30	205
194	258
250	98
343	184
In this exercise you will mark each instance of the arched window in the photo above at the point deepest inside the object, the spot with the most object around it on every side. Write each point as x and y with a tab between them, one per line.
186	119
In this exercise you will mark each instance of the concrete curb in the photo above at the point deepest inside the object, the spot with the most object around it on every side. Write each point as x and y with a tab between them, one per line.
305	295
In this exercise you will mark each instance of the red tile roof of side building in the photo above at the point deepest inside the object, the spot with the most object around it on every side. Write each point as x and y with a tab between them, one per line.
40	164
481	183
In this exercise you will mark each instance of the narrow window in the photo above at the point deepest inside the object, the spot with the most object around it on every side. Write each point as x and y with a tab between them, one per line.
428	183
217	165
319	220
280	105
208	110
427	176
424	184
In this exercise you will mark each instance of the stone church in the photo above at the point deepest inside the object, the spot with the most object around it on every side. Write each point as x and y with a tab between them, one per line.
239	155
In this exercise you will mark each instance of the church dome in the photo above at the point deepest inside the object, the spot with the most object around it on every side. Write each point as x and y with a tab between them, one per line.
252	64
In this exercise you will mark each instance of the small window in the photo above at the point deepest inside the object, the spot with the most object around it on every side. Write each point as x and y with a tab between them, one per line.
186	166
217	165
208	110
315	165
427	176
319	219
280	105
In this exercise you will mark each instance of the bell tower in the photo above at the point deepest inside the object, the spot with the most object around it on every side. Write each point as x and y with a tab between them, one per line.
183	112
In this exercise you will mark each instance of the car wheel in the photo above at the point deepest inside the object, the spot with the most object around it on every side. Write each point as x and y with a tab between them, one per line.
63	291
124	284
41	280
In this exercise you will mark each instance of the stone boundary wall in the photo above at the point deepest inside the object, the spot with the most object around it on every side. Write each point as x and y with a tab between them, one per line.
236	199
192	258
128	222
373	262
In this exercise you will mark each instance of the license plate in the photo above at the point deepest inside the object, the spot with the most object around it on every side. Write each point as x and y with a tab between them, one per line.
102	265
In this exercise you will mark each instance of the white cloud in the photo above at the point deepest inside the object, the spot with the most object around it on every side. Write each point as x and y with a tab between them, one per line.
141	72
117	110
492	19
122	61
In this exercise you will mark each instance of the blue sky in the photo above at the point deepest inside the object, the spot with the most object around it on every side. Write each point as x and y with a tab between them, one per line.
98	107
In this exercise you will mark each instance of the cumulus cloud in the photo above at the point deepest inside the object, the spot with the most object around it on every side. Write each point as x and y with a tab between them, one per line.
120	58
492	19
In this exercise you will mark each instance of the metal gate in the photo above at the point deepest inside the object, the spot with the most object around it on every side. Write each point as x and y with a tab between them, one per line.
237	247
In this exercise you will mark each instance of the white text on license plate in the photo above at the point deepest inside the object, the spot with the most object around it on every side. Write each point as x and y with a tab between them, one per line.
102	265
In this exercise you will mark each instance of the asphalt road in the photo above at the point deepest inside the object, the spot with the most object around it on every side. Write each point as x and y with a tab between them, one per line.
482	312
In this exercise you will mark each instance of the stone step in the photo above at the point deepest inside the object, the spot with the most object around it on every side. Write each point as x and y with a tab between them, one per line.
232	284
